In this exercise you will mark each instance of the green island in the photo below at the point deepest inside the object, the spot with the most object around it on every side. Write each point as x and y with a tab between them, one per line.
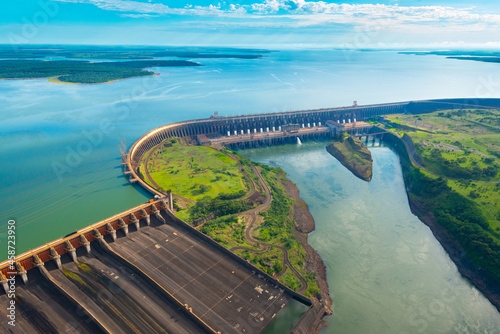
352	154
451	164
249	208
484	56
83	72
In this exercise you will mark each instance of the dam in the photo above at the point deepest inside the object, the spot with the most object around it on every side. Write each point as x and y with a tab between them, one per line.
145	270
271	128
141	271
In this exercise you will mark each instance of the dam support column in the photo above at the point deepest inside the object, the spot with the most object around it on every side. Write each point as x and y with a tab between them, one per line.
54	255
111	231
72	251
3	281
21	271
170	200
157	214
39	263
135	221
146	216
121	224
85	243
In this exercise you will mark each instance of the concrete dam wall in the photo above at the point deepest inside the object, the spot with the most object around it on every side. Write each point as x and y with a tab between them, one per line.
221	126
152	274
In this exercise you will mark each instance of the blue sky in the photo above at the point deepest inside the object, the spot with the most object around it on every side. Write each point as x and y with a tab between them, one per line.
263	23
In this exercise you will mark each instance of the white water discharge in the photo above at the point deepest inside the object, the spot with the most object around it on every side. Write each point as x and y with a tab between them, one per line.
298	141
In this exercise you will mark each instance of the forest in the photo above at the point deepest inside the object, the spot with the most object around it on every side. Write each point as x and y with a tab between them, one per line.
463	219
76	71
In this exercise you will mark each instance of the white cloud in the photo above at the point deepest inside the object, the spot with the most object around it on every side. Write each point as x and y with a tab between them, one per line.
301	13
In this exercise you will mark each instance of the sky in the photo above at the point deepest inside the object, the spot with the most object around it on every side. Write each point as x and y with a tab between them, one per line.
359	24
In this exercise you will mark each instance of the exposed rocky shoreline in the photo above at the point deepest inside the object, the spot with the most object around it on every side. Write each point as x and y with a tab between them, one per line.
476	275
488	286
304	225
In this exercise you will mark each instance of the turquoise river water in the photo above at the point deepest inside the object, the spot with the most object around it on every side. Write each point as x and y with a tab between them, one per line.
60	171
386	271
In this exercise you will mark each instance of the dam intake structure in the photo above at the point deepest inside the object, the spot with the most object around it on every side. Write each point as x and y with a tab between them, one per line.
264	129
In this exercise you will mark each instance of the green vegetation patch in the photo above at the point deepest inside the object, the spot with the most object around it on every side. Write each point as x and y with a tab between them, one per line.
353	155
278	227
194	172
485	195
73	71
467	210
456	144
270	261
290	280
229	231
74	277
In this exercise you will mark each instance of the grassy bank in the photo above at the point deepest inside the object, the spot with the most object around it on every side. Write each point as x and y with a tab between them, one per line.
194	172
462	147
467	209
278	228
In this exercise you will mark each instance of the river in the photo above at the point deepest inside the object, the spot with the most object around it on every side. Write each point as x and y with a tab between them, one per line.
386	272
60	167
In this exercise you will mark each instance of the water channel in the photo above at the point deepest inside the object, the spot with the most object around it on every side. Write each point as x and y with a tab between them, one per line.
387	273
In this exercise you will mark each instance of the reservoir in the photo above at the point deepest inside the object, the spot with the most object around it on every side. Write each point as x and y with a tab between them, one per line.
386	271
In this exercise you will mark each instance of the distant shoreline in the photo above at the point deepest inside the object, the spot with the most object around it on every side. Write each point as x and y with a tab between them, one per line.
57	81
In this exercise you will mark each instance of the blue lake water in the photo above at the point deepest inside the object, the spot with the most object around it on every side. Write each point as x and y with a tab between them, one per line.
60	156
